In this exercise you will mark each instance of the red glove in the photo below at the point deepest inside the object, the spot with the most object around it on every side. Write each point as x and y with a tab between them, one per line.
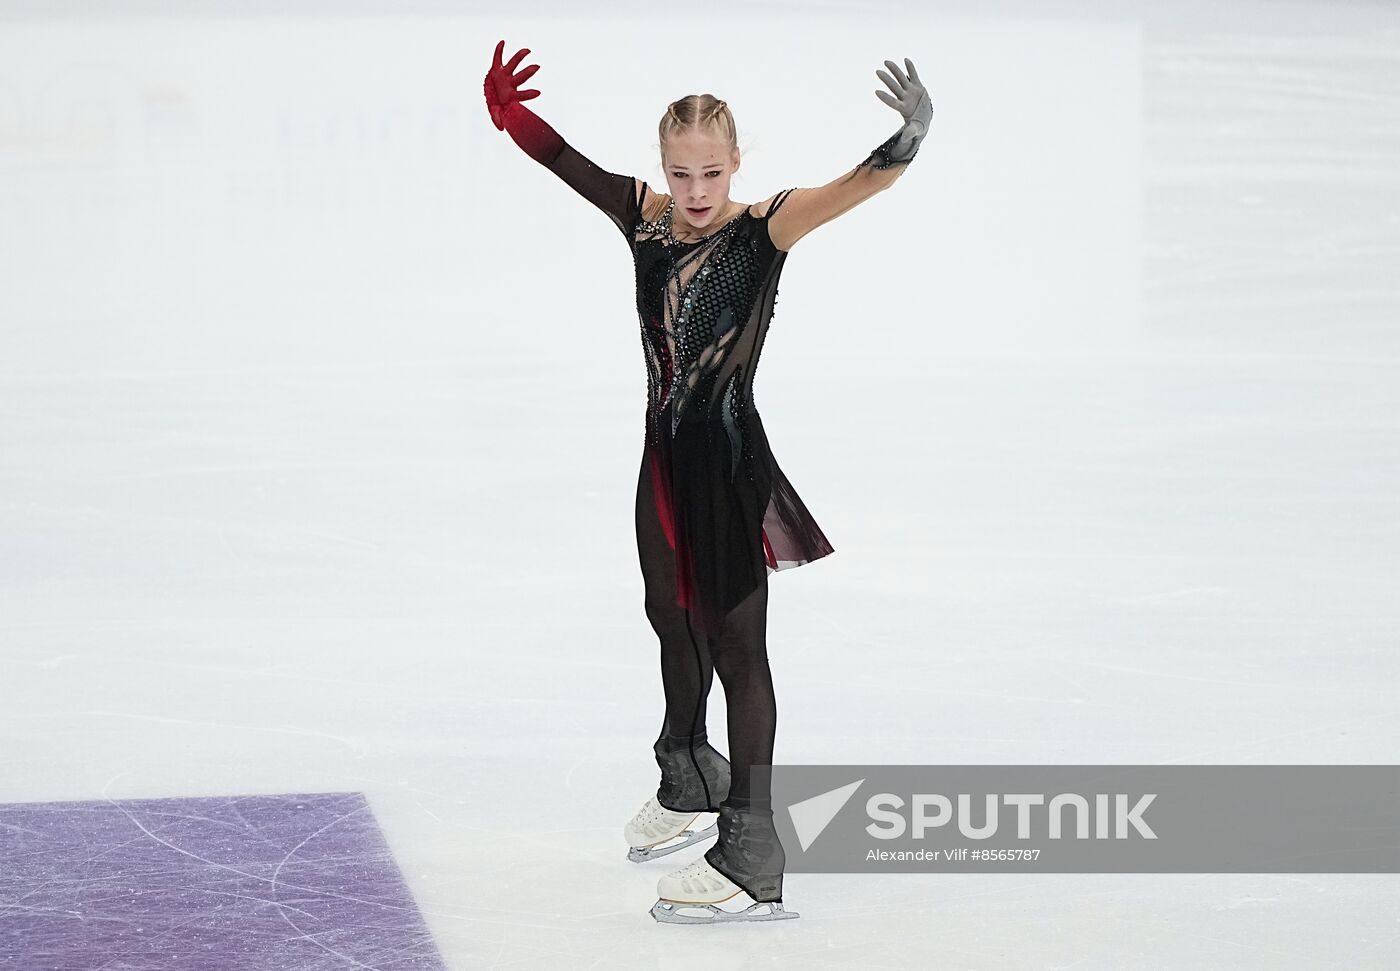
503	97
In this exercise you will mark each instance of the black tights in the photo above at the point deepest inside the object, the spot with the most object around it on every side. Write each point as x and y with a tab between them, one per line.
689	661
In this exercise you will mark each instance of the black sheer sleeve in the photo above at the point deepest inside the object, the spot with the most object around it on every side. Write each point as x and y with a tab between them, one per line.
615	195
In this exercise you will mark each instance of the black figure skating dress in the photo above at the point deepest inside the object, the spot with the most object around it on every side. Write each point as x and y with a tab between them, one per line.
728	513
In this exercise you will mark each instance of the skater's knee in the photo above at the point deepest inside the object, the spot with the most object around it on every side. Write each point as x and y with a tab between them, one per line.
666	617
738	668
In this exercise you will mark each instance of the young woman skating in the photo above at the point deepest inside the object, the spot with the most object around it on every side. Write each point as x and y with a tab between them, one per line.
714	513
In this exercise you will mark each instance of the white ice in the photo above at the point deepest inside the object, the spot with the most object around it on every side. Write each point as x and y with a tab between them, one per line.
321	412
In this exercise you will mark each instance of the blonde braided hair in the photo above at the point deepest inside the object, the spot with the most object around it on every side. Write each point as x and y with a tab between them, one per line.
698	112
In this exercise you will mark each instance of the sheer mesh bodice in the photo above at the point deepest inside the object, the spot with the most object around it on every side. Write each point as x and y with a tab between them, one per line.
704	306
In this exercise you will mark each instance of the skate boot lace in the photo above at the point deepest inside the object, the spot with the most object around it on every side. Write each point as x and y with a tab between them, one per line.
654	818
699	877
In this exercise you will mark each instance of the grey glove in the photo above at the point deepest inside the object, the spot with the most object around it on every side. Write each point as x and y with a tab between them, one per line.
912	101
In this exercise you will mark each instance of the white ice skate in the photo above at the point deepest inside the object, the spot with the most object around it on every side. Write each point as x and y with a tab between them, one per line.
657	831
691	895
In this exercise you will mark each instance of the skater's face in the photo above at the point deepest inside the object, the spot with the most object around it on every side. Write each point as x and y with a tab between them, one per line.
699	165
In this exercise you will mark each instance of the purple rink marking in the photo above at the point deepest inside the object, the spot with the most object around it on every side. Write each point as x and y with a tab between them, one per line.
273	882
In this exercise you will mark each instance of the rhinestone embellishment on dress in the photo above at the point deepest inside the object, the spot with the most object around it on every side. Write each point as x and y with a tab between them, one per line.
696	299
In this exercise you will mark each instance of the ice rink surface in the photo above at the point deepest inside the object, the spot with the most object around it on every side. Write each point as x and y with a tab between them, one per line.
321	407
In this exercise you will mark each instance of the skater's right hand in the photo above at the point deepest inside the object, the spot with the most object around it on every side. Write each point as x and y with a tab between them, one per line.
502	84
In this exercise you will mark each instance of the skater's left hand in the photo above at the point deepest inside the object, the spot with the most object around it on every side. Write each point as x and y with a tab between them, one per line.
911	99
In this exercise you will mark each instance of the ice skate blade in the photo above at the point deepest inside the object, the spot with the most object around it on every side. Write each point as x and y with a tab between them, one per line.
640	854
670	912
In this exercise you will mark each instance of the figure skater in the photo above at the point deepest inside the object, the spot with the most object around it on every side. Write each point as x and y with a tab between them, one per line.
714	513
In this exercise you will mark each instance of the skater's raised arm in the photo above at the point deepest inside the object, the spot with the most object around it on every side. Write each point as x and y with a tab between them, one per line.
615	195
803	210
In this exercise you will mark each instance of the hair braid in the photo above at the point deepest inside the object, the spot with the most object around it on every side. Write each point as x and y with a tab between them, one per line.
698	112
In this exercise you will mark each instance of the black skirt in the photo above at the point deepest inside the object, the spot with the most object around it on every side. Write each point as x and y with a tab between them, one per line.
729	523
